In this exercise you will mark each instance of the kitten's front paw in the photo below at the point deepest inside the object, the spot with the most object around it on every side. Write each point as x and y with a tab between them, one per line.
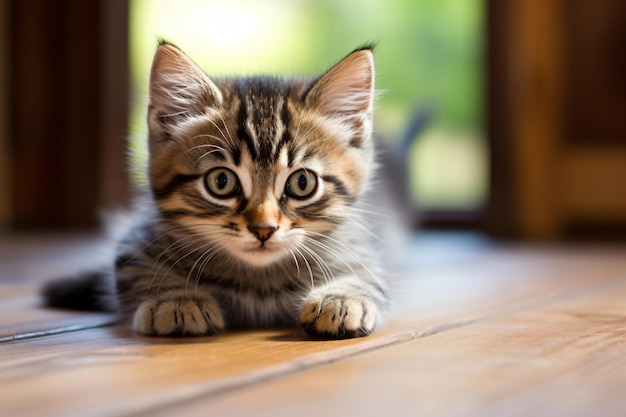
178	316
338	316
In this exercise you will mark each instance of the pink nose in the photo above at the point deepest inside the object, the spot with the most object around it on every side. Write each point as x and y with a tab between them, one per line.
262	232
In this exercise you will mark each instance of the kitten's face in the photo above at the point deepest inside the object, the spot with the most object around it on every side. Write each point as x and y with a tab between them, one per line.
259	168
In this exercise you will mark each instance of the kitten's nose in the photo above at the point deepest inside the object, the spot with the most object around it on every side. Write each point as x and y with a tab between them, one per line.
263	232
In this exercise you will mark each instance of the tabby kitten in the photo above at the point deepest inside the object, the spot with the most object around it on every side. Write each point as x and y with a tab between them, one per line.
253	213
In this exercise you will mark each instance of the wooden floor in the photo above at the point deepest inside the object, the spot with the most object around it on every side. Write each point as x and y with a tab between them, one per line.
479	329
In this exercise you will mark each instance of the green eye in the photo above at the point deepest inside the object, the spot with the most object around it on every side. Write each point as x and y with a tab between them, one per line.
222	183
301	184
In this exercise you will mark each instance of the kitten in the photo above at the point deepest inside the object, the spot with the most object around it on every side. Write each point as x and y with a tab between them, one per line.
254	213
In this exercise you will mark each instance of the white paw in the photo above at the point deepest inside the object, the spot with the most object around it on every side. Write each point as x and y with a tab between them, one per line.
338	316
178	316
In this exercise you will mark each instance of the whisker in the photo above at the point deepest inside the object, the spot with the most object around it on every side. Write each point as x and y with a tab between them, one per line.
308	266
209	243
204	260
178	245
326	271
214	149
227	131
371	212
293	255
334	253
208	256
151	243
338	245
197	238
366	230
220	139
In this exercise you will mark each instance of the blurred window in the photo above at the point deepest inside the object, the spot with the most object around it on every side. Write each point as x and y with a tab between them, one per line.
429	59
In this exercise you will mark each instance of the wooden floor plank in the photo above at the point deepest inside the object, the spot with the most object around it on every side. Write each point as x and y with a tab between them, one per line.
22	315
107	372
32	258
28	260
561	359
110	371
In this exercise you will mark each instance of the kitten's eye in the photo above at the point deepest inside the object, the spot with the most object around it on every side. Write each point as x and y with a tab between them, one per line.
222	183
301	184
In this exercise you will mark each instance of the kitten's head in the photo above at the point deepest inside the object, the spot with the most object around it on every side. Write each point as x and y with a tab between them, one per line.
258	166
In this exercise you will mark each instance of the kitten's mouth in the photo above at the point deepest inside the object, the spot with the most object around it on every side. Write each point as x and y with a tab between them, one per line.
262	254
260	249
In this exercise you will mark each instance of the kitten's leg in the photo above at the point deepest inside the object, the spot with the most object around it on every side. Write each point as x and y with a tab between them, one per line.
179	312
164	306
342	309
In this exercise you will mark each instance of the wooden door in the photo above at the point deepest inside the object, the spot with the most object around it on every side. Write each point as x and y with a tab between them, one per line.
557	106
67	112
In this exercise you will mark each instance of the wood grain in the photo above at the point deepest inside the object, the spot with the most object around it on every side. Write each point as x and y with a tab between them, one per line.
482	324
562	359
22	316
5	167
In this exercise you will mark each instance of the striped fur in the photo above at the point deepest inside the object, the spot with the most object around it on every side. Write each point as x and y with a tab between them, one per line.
197	263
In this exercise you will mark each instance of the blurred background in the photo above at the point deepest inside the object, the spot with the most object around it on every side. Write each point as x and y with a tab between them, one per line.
519	103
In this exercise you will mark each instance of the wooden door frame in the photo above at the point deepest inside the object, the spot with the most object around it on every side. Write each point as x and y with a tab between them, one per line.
5	159
68	111
549	181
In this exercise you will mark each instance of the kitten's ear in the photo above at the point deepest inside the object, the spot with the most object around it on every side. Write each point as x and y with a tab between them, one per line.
347	89
178	88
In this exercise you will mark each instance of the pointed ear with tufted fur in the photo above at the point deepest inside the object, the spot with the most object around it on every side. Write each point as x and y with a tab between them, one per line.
178	88
347	89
